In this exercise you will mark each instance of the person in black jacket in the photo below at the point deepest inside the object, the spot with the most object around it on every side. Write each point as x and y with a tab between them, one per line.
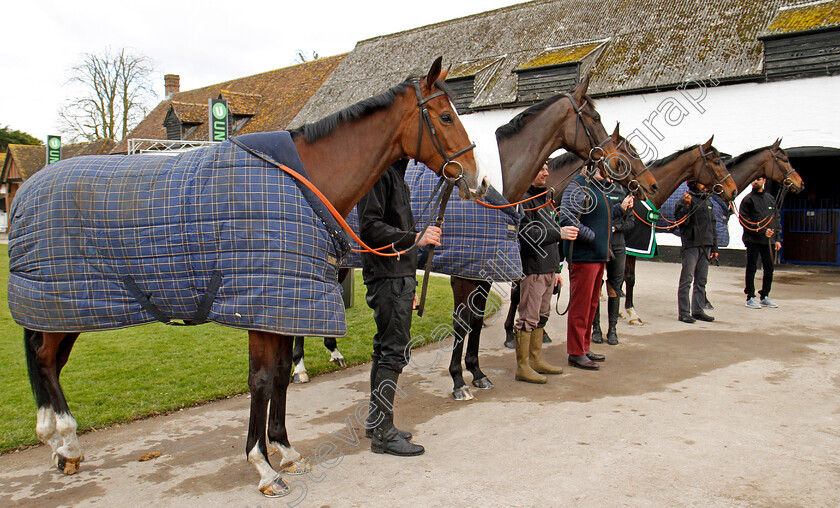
758	211
539	236
385	219
622	220
699	246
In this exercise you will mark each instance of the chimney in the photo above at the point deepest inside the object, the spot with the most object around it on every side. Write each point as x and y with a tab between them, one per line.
172	84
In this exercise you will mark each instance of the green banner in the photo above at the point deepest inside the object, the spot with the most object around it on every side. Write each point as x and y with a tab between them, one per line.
53	149
218	120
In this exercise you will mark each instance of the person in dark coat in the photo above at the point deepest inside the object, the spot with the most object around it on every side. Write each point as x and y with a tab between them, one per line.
622	220
699	246
539	236
385	219
758	211
586	206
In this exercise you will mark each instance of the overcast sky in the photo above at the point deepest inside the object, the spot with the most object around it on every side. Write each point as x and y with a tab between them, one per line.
205	42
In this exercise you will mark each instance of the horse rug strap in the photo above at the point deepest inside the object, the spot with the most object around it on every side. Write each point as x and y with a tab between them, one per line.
200	316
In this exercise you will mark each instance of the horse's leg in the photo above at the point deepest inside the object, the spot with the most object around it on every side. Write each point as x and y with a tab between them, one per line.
511	317
265	351
278	440
460	320
335	355
301	376
46	355
629	285
477	302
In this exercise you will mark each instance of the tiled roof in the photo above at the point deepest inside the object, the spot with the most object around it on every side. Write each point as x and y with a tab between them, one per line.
811	16
32	158
649	44
272	98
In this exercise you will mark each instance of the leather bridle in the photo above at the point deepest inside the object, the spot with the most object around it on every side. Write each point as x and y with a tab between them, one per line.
717	188
426	119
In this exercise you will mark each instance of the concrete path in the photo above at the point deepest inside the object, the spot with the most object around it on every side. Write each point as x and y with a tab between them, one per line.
740	412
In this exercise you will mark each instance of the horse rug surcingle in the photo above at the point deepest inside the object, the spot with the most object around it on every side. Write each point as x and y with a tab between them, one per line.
477	243
218	232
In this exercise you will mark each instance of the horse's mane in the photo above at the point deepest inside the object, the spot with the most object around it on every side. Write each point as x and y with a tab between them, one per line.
320	128
518	122
744	156
561	160
670	158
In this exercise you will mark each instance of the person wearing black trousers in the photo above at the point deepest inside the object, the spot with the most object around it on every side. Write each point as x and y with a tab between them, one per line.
759	208
385	219
621	205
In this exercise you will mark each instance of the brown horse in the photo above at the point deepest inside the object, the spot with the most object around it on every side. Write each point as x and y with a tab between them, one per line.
699	162
567	121
344	155
770	162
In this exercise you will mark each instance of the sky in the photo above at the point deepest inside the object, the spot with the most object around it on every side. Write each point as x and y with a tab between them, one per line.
205	42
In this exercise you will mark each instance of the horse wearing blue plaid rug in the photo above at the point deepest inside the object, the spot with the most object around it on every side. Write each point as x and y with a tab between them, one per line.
701	163
86	234
567	121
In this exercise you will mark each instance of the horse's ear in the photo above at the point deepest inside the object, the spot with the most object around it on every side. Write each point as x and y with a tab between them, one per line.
580	89
616	137
777	143
708	144
443	74
434	72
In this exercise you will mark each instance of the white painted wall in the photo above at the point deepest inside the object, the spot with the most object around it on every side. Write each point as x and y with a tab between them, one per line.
742	117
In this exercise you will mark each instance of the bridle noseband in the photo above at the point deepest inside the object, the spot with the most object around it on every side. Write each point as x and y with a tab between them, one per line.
425	118
633	185
787	181
717	188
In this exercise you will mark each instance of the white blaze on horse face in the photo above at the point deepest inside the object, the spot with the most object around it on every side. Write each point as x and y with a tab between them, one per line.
65	424
45	428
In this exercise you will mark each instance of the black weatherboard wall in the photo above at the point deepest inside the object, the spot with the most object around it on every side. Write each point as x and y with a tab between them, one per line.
802	55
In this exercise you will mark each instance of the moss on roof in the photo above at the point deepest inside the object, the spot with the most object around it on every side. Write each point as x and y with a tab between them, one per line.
562	55
805	17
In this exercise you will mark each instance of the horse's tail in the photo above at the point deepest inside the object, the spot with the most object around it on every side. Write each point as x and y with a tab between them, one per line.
31	342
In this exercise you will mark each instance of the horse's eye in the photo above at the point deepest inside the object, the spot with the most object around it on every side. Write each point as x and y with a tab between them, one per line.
446	118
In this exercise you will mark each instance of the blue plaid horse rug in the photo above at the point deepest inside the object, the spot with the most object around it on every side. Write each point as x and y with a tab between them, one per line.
215	234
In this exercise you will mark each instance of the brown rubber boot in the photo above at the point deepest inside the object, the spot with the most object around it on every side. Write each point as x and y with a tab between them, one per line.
524	372
536	355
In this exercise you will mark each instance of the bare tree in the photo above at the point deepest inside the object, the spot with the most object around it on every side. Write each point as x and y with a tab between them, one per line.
115	89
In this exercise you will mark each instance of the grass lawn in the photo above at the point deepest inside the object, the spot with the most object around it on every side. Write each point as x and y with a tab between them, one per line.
117	376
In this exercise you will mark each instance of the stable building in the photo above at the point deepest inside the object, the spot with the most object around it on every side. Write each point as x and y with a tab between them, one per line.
673	72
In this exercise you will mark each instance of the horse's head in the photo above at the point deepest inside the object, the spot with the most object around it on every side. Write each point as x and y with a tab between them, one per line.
440	140
591	141
777	167
711	171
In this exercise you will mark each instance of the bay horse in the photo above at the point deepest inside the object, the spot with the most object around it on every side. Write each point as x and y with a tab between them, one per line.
770	162
344	154
699	162
567	121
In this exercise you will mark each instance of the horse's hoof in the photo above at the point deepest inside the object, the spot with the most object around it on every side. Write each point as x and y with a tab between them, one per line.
636	321
67	465
622	314
300	377
276	488
483	383
339	361
298	466
462	393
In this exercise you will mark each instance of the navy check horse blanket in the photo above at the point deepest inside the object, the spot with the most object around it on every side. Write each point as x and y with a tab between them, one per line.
91	237
476	242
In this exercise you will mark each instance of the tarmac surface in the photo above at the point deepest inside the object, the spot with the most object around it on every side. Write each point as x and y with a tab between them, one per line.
743	411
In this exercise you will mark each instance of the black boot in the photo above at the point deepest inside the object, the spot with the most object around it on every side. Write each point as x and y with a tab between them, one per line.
612	316
597	337
374	367
386	438
543	321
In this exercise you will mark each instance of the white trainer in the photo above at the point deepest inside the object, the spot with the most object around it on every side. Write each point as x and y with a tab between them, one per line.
753	303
